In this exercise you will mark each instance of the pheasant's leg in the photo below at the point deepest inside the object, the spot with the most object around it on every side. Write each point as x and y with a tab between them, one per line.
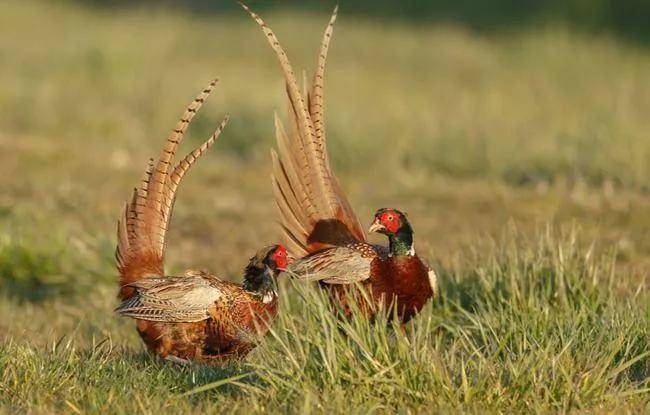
178	361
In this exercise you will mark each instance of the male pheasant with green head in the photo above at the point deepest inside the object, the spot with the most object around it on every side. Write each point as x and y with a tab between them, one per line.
197	316
318	224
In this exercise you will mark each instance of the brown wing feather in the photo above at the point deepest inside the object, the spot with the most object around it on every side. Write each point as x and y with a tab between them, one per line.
141	230
306	191
339	265
176	299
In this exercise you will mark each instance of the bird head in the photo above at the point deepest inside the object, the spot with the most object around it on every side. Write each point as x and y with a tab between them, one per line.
278	258
274	257
390	222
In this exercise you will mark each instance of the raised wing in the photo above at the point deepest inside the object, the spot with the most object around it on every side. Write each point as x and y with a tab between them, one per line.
174	299
339	265
314	212
141	230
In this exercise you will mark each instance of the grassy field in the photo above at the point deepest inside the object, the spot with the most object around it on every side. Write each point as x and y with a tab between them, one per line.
522	158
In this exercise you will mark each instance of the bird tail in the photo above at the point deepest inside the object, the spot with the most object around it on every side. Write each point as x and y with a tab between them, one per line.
314	211
142	227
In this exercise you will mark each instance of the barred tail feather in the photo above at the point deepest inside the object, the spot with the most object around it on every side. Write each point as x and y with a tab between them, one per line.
313	209
141	229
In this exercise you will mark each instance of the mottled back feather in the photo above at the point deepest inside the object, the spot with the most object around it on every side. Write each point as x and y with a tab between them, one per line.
175	299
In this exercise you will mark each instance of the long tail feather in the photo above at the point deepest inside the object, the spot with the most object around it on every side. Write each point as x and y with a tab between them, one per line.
141	230
313	209
182	168
316	179
316	95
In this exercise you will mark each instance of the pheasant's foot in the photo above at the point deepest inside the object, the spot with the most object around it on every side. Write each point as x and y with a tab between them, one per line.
178	361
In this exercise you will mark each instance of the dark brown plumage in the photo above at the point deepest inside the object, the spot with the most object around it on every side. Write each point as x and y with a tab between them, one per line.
196	316
318	224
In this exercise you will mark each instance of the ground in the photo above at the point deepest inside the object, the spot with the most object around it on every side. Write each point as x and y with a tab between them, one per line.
521	157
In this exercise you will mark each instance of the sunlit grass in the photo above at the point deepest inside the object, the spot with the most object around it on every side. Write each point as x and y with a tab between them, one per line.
522	327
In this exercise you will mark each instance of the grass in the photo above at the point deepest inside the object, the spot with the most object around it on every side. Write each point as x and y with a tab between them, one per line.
521	158
523	327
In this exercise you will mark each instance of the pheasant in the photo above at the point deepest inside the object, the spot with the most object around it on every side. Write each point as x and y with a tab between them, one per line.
317	222
196	316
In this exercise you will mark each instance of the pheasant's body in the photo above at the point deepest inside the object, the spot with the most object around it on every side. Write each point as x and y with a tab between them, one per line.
318	223
196	316
404	282
229	327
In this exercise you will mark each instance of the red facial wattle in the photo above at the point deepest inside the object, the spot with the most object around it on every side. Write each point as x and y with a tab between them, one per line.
280	258
391	221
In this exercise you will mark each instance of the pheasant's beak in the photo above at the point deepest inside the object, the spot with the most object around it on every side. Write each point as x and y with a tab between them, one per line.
376	227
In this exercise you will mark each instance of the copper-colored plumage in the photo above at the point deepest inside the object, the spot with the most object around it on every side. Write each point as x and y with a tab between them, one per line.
196	316
318	224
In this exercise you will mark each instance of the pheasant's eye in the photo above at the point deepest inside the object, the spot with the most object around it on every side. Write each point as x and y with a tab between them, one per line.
390	218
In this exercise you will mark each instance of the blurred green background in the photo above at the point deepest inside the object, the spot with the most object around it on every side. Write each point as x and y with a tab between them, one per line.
627	18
